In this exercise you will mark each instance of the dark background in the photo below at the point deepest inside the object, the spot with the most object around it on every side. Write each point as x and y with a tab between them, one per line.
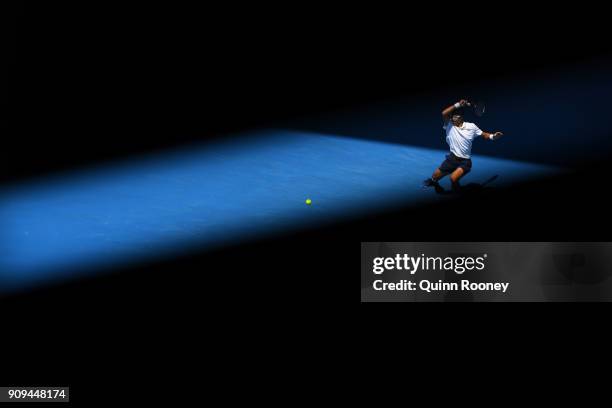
91	83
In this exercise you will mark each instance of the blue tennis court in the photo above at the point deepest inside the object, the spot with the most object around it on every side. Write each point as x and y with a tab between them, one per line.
206	196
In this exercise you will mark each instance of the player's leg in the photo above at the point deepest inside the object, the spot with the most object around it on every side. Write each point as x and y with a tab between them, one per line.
437	175
455	177
462	169
445	168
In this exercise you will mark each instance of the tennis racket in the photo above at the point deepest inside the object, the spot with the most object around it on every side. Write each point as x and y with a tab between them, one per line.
479	108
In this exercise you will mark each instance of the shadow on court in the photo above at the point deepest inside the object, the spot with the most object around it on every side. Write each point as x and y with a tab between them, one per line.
468	189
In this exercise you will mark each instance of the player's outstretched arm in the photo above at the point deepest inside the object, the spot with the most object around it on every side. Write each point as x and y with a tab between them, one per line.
446	113
492	136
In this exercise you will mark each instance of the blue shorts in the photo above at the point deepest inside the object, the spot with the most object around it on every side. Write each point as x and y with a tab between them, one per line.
453	162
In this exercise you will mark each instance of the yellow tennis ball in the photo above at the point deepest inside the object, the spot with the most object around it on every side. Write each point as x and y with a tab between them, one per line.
308	201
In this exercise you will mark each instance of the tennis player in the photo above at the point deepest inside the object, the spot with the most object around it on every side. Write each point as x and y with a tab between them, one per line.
459	136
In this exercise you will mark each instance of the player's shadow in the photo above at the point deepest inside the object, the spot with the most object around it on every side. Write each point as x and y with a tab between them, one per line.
468	189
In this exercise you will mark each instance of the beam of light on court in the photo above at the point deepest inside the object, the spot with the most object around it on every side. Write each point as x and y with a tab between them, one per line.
208	196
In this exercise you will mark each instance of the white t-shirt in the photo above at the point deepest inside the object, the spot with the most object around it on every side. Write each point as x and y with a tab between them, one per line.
460	138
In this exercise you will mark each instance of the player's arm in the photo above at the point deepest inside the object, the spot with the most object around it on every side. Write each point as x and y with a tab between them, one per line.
447	113
492	136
